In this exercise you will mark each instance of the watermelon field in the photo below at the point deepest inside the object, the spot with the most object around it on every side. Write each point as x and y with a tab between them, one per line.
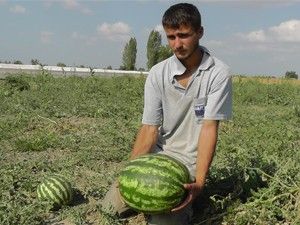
84	128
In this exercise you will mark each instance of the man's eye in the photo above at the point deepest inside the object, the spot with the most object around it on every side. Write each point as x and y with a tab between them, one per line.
171	37
183	35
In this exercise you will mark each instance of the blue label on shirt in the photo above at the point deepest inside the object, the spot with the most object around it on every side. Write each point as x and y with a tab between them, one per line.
199	111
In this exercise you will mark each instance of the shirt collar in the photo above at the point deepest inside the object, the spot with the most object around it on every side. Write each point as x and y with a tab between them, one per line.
178	68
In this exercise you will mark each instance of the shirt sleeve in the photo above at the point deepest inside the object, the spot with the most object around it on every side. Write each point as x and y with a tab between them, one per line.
152	114
219	98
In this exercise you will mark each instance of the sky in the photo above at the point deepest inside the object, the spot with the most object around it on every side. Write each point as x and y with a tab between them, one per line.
252	37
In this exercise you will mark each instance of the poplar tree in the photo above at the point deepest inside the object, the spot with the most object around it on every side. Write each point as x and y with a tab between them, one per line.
164	52
153	47
129	55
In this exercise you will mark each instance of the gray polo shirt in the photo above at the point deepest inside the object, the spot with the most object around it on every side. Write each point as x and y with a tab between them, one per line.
180	111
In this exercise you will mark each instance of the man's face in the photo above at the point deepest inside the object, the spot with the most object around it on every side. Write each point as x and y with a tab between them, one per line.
183	41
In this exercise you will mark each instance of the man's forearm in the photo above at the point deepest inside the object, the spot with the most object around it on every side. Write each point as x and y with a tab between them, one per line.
145	140
206	148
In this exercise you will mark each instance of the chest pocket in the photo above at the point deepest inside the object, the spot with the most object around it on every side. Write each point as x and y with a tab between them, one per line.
200	99
199	108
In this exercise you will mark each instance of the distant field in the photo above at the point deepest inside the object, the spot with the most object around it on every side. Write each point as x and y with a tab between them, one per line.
84	128
268	80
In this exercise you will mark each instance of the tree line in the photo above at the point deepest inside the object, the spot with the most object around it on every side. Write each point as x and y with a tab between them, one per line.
156	52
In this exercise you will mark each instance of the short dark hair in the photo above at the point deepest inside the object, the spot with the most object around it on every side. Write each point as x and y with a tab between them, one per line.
182	14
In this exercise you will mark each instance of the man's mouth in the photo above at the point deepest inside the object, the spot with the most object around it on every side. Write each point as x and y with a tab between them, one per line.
180	51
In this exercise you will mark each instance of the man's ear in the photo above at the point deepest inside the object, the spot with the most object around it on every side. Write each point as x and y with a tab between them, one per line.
200	32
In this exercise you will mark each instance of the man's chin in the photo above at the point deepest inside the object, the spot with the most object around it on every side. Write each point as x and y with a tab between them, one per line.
181	56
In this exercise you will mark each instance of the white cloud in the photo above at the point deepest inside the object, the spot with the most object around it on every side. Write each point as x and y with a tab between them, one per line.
116	31
70	5
256	36
253	4
214	44
288	31
88	40
47	3
160	29
17	9
75	5
46	37
86	11
76	35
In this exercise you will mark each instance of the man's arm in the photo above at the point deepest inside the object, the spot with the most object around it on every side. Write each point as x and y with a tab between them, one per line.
145	140
206	149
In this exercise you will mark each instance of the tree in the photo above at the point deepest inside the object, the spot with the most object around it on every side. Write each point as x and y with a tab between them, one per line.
164	52
18	62
291	74
153	46
129	55
61	64
35	62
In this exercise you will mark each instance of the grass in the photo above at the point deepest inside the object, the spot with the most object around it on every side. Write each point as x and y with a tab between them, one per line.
84	128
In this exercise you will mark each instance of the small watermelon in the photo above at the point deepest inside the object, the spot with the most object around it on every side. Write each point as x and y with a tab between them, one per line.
153	183
57	189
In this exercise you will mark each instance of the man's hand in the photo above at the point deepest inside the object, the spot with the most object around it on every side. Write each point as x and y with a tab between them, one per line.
194	190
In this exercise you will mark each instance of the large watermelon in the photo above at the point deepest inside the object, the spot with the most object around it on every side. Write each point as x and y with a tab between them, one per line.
153	183
56	189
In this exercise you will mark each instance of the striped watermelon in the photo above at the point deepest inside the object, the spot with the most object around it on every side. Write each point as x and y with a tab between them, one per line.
57	189
153	183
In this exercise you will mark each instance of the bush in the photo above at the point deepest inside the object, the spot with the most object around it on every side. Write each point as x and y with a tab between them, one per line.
61	64
17	82
18	62
291	74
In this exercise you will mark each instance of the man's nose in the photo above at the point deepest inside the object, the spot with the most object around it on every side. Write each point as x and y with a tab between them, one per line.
177	43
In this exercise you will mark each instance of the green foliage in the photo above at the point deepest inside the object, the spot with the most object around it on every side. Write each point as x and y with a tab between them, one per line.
18	62
164	52
155	51
17	202
61	64
84	128
129	55
36	142
253	92
153	47
291	75
16	83
35	62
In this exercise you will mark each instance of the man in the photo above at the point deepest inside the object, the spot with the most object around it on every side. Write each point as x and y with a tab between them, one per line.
185	97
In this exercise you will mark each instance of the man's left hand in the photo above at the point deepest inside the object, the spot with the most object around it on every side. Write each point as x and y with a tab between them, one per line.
194	190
